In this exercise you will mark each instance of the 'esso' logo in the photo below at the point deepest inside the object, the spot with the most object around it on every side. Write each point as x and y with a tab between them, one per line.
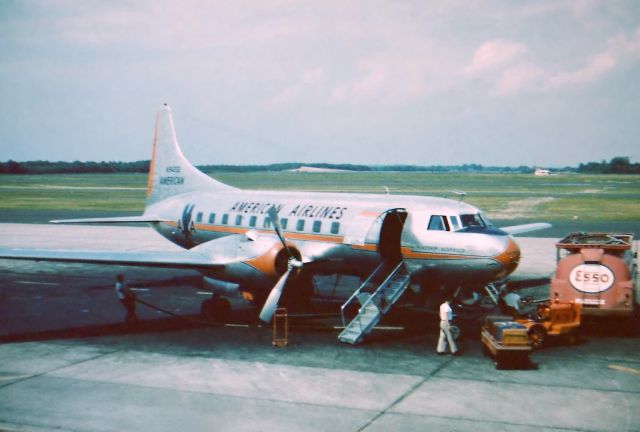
591	278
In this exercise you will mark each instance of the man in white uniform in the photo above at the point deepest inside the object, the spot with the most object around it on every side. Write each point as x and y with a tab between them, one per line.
127	298
512	303
446	315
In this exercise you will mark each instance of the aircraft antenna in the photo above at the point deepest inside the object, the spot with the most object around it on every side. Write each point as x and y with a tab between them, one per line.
461	194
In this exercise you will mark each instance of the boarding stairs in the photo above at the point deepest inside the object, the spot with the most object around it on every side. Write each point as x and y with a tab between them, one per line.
493	291
375	296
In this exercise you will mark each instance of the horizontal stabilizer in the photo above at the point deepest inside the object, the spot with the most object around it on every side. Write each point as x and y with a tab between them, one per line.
525	228
112	220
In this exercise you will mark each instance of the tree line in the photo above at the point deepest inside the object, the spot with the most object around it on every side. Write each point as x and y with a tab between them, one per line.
617	165
77	167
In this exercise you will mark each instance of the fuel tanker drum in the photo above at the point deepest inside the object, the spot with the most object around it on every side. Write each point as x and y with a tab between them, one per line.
597	271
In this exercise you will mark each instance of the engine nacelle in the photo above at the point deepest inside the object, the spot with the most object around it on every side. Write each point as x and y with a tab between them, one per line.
274	262
221	287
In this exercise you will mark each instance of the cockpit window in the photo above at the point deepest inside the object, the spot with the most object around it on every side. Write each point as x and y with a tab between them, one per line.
472	220
455	223
438	223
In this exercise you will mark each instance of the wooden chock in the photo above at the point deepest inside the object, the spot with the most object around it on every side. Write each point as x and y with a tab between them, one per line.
280	328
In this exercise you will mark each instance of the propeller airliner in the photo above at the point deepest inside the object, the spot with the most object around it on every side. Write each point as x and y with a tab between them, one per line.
263	243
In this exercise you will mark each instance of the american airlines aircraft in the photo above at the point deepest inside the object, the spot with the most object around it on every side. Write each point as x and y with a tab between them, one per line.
256	243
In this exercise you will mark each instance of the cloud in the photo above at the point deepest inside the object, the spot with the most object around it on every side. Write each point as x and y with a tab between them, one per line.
518	78
492	55
620	50
390	78
166	24
501	64
291	94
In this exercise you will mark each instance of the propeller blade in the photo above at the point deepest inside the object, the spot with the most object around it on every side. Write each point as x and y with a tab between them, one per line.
274	296
275	220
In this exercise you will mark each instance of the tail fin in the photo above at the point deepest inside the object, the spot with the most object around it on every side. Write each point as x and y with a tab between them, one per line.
170	173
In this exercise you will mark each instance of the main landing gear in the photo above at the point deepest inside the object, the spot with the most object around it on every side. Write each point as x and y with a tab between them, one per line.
215	309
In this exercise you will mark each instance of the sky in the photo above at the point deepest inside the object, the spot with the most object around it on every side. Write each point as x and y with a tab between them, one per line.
499	83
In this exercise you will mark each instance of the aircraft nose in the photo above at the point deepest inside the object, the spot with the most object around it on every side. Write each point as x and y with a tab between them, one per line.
509	258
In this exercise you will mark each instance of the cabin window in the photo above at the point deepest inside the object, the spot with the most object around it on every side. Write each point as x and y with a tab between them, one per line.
212	218
252	221
317	226
438	223
284	222
238	220
300	225
455	223
335	227
225	219
199	217
267	222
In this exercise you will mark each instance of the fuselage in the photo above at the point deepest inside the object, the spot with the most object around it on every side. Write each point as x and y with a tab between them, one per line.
264	243
442	241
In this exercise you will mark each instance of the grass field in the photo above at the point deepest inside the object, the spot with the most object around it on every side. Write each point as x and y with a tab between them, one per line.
501	196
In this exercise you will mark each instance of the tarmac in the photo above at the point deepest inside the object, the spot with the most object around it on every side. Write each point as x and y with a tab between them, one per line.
68	363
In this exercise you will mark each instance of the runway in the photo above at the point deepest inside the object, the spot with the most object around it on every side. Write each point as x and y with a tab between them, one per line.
78	369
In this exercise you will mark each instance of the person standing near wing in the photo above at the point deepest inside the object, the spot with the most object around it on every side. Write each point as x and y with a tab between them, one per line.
127	298
446	315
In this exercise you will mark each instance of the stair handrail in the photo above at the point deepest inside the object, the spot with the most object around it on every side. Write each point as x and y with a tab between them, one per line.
356	292
373	295
392	273
396	271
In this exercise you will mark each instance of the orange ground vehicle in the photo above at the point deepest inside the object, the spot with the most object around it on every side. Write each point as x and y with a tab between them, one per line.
597	271
556	319
506	341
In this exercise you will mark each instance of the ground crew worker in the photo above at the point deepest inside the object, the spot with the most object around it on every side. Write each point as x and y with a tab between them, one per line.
127	298
511	303
446	315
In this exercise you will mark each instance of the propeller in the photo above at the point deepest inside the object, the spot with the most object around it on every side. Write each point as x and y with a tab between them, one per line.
274	296
275	220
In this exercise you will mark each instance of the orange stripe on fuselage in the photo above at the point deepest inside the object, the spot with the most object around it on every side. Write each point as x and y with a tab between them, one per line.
371	247
411	254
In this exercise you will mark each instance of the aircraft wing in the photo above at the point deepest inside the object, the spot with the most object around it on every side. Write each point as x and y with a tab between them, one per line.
213	255
521	229
178	259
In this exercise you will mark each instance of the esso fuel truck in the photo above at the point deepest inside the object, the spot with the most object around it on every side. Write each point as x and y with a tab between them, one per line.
597	271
